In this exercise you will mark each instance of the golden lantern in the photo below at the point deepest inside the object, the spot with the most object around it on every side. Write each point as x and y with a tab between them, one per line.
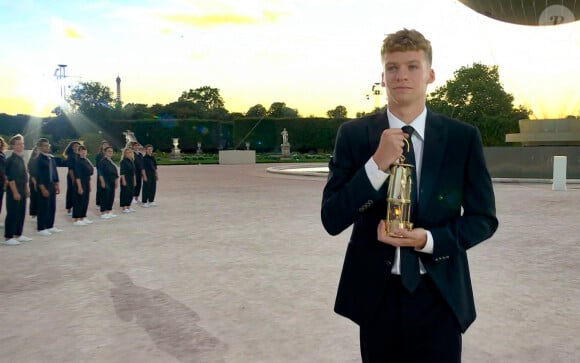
399	196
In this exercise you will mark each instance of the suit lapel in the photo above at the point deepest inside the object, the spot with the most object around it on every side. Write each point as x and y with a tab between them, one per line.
378	124
433	151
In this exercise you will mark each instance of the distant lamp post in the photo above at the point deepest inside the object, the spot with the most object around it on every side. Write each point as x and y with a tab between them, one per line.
377	92
60	75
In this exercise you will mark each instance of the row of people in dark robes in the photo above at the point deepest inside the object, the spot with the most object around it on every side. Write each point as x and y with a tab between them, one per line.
137	175
39	181
17	180
136	172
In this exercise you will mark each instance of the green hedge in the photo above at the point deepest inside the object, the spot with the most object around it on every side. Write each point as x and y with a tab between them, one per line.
213	135
305	134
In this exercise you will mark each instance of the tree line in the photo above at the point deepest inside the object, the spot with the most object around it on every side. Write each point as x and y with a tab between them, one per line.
475	95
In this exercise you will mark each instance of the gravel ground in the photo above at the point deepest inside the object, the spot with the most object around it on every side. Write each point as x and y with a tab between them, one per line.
234	266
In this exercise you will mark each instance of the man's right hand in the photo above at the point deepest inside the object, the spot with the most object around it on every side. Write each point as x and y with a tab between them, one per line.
390	148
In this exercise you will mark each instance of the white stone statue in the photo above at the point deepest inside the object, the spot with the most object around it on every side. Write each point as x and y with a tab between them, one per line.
129	138
284	134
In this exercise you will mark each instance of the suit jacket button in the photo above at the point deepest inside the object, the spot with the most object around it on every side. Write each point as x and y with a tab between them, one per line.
388	263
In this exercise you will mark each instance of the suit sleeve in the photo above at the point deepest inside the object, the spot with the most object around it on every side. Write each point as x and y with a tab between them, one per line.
348	191
478	220
2	168
42	172
54	171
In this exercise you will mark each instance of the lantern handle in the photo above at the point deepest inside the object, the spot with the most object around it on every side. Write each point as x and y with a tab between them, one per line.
402	158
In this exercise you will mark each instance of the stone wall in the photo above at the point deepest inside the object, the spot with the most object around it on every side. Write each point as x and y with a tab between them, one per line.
548	132
531	162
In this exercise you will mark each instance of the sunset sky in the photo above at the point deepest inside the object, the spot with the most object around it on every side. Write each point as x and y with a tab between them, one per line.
311	54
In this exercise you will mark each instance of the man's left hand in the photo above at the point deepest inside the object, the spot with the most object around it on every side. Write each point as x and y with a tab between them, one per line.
416	238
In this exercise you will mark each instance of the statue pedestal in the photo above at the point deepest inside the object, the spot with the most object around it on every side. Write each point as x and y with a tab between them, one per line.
559	177
285	151
175	154
231	157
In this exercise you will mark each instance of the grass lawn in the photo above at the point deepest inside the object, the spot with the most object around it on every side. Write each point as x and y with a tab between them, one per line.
164	158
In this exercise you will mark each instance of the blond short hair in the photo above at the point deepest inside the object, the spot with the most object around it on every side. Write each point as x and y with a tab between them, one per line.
15	138
407	40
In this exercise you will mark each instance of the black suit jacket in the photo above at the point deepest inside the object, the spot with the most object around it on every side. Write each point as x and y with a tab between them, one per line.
456	204
46	172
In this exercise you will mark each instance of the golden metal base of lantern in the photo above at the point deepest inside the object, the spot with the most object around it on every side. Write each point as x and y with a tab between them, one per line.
390	226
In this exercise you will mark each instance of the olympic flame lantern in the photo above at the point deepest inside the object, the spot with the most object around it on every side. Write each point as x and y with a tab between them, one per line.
399	196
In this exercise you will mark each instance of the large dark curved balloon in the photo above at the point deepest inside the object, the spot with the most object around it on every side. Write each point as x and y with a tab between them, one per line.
528	12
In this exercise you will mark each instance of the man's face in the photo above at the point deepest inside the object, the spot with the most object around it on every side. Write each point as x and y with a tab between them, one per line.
18	146
44	147
149	150
406	76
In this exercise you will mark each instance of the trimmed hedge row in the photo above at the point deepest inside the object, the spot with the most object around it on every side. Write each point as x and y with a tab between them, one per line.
306	135
264	135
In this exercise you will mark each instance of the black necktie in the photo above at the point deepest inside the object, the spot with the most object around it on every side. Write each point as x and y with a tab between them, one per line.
409	260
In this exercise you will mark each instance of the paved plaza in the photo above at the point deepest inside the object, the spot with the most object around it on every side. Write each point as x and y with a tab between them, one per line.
234	266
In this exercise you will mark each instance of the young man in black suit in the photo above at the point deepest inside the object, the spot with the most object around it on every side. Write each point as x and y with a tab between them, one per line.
138	171
413	314
47	182
16	193
150	178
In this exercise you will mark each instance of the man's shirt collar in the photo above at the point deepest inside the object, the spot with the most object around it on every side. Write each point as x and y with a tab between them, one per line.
418	123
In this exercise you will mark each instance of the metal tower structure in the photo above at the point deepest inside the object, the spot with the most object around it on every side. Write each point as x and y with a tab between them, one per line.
118	80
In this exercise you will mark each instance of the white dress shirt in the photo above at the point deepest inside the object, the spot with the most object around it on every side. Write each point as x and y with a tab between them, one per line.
378	177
